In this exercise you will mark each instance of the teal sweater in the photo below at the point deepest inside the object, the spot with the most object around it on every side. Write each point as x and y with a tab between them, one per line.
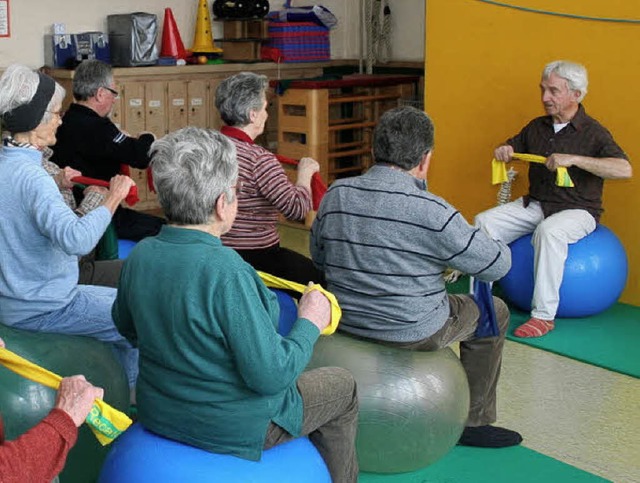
213	370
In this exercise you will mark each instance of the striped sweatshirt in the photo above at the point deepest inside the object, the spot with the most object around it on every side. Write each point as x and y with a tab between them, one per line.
266	192
384	242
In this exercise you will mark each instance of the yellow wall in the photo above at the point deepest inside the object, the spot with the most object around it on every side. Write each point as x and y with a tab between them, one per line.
483	65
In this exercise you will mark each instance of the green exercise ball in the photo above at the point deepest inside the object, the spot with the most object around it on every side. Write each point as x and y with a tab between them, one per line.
24	403
413	405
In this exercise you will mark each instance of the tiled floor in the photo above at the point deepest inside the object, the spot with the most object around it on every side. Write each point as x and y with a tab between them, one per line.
577	413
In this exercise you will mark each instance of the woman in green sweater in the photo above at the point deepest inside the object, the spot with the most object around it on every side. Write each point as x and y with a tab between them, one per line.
214	373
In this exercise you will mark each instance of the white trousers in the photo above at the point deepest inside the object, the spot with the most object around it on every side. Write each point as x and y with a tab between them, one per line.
551	239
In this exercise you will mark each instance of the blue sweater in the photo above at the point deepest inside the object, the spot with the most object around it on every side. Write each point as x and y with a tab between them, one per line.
384	242
40	238
213	370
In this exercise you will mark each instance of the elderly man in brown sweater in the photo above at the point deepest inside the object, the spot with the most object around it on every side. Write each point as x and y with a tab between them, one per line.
557	216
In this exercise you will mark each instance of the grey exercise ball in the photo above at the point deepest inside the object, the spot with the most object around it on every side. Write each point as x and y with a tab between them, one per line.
413	405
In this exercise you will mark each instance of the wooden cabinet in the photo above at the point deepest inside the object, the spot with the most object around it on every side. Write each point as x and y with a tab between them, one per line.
163	99
155	112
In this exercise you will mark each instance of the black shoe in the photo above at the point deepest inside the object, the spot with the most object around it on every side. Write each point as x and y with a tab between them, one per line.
489	437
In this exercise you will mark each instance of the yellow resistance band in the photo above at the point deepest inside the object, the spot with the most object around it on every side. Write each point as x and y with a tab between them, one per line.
336	312
106	422
499	170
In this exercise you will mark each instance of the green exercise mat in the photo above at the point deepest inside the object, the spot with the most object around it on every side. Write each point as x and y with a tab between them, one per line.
608	340
480	465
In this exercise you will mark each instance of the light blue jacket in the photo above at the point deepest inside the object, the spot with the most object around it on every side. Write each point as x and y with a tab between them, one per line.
40	238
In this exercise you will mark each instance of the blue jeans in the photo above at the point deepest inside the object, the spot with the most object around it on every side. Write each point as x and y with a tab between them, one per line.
88	314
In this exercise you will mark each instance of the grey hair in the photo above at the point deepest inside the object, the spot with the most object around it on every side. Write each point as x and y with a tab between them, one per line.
238	95
192	168
89	76
19	84
402	137
575	75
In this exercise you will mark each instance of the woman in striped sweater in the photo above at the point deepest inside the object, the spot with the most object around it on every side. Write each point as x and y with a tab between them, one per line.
264	190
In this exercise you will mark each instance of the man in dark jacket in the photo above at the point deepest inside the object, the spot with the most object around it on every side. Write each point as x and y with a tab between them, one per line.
90	142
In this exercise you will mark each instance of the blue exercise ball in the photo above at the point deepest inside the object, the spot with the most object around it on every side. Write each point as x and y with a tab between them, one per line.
288	312
412	405
125	247
140	456
595	274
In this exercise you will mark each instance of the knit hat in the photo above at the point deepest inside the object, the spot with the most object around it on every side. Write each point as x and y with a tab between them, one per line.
28	116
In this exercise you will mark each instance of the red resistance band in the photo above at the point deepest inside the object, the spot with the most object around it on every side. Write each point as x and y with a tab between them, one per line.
124	169
131	199
318	188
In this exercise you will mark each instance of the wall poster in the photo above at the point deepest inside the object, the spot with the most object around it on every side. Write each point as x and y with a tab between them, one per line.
5	30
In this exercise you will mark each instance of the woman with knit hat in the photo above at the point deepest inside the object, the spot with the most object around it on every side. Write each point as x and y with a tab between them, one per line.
40	236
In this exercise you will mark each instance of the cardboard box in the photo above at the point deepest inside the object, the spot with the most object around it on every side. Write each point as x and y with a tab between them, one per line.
247	50
246	29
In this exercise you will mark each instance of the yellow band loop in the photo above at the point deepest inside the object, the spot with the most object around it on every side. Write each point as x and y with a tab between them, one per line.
106	422
499	170
277	282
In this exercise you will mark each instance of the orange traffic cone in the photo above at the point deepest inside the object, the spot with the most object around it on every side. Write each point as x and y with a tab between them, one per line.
203	40
172	45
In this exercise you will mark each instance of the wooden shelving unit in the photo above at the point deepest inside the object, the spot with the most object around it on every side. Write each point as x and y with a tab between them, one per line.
243	39
332	121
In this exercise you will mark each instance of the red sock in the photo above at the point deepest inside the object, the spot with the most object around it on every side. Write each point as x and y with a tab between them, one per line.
534	328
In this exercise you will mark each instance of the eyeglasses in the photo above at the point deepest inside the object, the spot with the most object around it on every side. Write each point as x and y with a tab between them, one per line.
113	91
